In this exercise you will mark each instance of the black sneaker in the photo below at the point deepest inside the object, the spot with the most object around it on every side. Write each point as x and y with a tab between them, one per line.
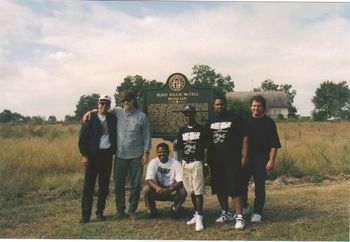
100	217
120	215
132	214
84	220
152	215
175	214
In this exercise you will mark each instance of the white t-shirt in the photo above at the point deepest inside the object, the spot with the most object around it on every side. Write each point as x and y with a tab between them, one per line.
165	174
105	143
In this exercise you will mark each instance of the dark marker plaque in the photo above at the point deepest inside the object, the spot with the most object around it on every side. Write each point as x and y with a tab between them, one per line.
164	106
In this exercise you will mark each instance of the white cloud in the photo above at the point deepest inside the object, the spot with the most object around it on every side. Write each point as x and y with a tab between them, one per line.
85	48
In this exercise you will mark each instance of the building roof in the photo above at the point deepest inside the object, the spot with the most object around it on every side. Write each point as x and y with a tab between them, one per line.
274	99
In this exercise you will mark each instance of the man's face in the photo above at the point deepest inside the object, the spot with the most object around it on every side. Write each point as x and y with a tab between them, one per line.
103	106
128	103
190	117
162	154
219	106
257	109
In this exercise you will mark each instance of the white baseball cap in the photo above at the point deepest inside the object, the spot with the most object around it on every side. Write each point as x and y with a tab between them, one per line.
105	98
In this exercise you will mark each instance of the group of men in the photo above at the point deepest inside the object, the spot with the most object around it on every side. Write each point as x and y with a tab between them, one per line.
234	148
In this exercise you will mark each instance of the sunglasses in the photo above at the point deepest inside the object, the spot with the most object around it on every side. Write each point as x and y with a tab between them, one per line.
126	100
105	104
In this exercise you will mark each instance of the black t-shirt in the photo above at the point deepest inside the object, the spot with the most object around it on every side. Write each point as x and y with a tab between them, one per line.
262	135
225	133
191	141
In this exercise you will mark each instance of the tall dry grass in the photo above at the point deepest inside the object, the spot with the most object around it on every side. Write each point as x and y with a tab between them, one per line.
39	158
313	149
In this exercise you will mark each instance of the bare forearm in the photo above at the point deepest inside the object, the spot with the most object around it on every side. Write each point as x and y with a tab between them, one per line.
273	154
245	147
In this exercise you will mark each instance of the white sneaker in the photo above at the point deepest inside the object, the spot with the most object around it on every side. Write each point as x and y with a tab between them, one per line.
193	220
225	217
256	218
240	223
246	211
199	223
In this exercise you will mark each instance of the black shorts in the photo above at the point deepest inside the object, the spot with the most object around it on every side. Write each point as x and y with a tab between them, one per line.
226	178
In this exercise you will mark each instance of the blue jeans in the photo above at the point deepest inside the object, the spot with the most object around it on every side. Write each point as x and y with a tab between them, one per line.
256	168
133	169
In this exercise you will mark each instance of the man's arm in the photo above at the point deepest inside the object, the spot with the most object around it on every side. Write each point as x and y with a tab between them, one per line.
244	151
270	164
154	185
83	143
147	140
87	115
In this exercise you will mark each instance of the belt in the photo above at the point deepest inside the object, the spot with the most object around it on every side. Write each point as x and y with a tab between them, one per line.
189	160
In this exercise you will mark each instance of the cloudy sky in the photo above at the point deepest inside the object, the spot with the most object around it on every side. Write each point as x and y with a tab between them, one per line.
53	52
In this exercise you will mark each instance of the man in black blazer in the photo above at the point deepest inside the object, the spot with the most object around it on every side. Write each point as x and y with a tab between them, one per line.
97	144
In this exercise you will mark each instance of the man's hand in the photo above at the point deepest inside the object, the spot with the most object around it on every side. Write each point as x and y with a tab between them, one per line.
243	161
84	161
145	158
87	117
206	170
270	165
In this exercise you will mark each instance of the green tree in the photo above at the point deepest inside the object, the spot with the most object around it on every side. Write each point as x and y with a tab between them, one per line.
86	103
205	76
239	107
8	116
136	84
269	85
52	119
331	100
69	118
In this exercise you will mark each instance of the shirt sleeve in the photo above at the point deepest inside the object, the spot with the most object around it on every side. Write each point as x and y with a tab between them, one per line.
84	138
274	141
151	170
244	126
146	134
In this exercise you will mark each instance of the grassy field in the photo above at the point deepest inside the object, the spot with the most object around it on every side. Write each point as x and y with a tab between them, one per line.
41	180
293	212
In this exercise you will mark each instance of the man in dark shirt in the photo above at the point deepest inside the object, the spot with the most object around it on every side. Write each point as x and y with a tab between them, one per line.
263	145
97	144
227	151
190	145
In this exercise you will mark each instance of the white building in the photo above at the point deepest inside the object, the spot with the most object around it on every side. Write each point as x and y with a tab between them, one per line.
277	102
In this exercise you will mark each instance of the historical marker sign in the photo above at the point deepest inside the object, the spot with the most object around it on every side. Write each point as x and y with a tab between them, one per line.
164	106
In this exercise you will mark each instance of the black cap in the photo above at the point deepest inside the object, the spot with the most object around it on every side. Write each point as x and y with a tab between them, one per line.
188	108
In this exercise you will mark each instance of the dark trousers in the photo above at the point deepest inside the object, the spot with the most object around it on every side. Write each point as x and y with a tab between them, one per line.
256	168
150	196
100	167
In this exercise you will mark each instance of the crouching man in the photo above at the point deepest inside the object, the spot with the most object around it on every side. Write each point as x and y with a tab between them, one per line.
97	144
164	183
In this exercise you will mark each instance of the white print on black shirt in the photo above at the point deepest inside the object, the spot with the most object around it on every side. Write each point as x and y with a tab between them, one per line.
190	142
219	131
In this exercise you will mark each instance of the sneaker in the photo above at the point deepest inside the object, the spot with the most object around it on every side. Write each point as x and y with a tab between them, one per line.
120	214
240	223
132	214
192	221
175	214
84	220
256	218
152	214
199	223
225	217
246	211
100	217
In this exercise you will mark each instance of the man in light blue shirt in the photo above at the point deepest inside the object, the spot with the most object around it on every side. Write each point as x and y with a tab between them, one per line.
133	146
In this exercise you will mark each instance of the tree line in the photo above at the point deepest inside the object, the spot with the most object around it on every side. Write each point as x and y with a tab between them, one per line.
331	100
